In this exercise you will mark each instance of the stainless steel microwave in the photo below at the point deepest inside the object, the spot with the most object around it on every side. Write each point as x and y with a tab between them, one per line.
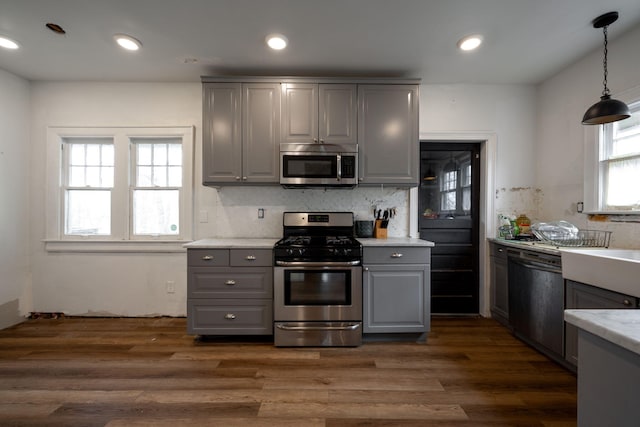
318	165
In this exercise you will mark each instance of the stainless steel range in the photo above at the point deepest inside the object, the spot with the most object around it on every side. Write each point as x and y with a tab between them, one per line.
318	281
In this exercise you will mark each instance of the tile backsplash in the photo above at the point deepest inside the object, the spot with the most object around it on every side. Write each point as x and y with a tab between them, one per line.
233	211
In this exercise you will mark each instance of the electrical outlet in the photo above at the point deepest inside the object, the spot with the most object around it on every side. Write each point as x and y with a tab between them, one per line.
260	213
171	287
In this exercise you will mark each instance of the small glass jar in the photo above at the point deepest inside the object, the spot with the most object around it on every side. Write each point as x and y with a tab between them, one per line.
524	224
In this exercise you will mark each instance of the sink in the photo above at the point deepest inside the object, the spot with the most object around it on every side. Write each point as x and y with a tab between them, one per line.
614	269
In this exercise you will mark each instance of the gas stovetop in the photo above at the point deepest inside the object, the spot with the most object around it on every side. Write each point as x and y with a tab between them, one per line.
317	237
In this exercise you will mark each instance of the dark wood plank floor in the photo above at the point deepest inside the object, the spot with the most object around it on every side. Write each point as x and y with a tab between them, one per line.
149	372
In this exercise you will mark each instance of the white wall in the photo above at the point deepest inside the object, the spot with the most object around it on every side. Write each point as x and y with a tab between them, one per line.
560	141
508	111
15	298
115	284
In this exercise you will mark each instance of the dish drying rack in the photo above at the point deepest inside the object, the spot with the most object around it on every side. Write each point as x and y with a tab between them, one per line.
583	238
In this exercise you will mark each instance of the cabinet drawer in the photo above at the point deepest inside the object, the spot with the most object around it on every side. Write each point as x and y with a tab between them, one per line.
396	255
251	257
236	282
208	257
230	317
498	250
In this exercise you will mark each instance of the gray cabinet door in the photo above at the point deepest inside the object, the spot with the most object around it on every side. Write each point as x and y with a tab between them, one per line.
580	295
388	134
338	110
396	298
221	133
299	113
260	133
499	284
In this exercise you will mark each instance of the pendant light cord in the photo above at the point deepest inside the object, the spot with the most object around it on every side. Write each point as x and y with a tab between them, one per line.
605	91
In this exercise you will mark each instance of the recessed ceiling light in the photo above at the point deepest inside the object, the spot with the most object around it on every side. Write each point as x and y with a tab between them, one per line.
470	42
127	42
7	43
276	41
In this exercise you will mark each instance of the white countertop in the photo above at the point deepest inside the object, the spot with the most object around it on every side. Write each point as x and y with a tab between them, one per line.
620	327
395	241
228	243
267	243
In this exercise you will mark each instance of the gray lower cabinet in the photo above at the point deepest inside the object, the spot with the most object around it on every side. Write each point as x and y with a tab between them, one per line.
396	289
499	284
241	133
388	134
580	295
229	292
319	113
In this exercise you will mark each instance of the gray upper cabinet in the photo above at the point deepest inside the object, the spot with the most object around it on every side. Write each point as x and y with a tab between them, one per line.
319	113
241	130
388	134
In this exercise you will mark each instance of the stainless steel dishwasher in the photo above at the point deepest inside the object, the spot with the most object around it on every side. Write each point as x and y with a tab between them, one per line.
536	301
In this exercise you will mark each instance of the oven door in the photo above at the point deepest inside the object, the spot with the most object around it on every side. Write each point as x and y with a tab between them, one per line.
317	305
317	292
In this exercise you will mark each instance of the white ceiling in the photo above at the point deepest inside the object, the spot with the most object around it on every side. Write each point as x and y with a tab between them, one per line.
525	41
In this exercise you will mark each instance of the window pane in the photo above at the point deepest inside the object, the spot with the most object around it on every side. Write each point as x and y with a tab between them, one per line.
76	176
175	176
76	157
90	165
622	189
159	154
160	176
144	176
175	154
156	212
88	212
144	154
93	154
107	155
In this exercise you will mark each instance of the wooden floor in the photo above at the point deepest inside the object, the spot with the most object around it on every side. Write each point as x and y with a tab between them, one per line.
149	372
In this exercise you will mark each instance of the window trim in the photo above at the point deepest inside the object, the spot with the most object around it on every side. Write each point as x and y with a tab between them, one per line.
592	174
120	241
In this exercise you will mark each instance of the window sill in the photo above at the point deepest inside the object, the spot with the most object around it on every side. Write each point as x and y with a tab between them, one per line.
614	216
118	246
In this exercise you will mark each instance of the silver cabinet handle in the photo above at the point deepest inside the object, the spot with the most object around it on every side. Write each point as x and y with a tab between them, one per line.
626	302
250	257
396	255
230	316
244	178
230	282
500	250
207	258
237	178
366	269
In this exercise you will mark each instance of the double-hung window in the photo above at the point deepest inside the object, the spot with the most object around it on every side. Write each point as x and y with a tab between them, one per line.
132	186
612	166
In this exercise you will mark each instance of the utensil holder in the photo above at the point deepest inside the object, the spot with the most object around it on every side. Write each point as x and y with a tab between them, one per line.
378	231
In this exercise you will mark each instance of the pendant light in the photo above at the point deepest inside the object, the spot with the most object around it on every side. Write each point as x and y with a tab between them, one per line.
606	110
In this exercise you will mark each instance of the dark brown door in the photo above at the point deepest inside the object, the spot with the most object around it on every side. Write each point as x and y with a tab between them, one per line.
449	205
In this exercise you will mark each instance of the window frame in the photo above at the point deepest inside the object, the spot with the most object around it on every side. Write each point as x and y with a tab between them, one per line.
594	169
121	238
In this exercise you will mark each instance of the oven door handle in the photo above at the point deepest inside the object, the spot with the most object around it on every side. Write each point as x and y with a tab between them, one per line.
318	264
352	327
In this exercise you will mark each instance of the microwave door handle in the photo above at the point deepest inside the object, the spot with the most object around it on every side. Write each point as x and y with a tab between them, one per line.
339	166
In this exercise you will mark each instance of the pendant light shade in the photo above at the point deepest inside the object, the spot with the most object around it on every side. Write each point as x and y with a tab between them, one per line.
606	110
